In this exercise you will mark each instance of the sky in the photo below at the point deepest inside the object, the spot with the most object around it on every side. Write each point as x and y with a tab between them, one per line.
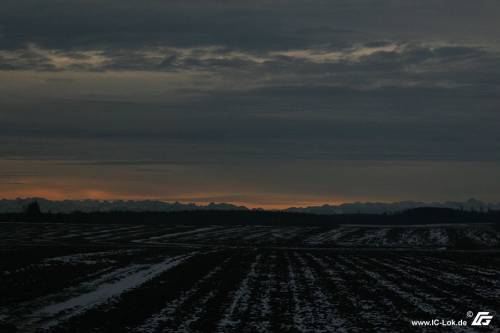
264	103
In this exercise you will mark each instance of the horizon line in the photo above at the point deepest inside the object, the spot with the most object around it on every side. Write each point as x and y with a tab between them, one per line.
255	206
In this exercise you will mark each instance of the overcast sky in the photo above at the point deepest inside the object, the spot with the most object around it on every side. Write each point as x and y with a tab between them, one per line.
263	103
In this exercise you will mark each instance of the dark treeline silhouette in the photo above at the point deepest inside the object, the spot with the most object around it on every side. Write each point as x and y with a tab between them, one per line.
257	217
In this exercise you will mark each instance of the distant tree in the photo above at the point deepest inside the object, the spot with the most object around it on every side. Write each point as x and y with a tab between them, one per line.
32	210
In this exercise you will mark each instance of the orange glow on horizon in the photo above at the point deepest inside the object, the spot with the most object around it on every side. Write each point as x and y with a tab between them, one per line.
274	202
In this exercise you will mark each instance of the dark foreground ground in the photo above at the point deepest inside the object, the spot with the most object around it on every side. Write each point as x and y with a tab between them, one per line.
181	278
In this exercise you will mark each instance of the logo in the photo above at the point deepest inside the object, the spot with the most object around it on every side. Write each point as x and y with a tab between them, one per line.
482	319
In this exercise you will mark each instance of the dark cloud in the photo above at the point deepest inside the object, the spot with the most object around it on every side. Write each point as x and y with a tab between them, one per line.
413	43
359	66
131	24
256	25
319	122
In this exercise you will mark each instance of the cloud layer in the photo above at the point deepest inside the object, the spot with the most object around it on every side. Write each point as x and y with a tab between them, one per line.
218	88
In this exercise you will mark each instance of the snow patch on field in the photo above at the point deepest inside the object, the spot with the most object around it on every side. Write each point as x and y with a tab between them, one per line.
105	288
486	237
396	288
240	299
439	236
155	321
160	238
329	236
316	314
90	258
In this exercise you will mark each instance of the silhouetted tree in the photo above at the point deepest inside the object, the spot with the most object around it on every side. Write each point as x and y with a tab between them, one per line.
32	211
